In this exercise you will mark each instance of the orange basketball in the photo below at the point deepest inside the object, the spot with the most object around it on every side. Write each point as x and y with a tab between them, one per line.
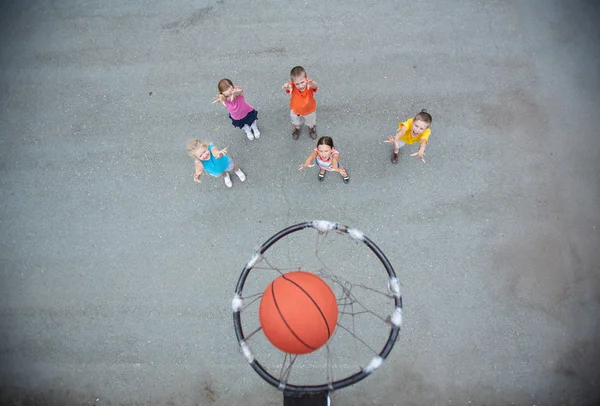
298	312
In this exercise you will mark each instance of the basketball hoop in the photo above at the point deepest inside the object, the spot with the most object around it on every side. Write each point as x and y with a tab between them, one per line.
368	299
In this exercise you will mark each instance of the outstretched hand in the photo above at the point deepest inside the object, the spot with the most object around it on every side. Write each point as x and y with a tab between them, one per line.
392	140
302	166
420	154
220	153
219	99
311	84
287	86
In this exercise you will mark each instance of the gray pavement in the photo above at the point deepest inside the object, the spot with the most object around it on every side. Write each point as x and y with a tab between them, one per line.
117	271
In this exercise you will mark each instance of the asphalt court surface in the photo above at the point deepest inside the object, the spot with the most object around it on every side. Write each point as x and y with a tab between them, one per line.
117	271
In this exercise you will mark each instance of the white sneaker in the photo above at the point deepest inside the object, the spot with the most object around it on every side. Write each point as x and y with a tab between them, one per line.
228	181
256	133
249	135
241	175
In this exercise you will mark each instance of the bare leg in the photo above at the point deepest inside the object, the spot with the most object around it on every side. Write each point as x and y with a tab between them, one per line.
227	179
395	155
321	175
344	174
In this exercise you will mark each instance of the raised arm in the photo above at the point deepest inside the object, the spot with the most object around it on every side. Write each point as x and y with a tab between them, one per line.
421	152
287	86
220	99
199	171
334	162
401	131
394	140
218	153
335	159
307	163
237	91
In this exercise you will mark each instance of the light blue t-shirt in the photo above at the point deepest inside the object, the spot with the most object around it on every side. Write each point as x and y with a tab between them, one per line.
215	166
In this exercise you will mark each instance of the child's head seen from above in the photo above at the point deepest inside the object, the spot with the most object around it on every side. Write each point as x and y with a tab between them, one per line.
198	149
325	147
421	122
299	78
226	87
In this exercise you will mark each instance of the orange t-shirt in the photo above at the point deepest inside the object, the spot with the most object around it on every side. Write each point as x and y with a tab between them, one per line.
302	103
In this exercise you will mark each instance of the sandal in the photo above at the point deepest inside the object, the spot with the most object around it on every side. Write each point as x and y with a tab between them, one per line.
346	178
394	157
321	176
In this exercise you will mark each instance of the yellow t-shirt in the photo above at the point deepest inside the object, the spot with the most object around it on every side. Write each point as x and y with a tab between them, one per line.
408	136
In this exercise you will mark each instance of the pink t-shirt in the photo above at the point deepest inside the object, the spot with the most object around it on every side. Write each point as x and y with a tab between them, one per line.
238	108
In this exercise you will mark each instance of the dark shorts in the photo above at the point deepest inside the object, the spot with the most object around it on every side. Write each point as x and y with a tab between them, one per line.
248	120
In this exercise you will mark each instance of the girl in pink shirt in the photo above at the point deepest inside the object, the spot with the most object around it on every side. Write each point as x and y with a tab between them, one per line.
242	114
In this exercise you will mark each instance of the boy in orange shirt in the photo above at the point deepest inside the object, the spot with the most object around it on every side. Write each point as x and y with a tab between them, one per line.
303	107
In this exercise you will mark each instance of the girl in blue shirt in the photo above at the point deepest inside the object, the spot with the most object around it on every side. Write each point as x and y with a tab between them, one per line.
214	161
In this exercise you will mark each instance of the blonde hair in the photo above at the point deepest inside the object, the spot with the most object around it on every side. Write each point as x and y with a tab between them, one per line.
194	145
224	84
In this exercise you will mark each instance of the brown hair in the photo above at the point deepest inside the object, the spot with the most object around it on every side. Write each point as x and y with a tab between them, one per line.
424	116
297	71
193	145
224	84
325	141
